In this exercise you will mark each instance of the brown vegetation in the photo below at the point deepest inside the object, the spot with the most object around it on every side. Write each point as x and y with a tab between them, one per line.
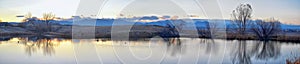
297	61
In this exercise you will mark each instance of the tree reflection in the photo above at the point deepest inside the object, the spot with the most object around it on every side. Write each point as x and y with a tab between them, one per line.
266	50
240	54
47	46
210	46
36	43
30	49
174	46
262	50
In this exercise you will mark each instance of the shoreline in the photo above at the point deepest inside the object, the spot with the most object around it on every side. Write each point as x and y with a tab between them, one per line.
136	32
288	39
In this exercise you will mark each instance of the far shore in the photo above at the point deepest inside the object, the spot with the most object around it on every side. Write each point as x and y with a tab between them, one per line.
136	32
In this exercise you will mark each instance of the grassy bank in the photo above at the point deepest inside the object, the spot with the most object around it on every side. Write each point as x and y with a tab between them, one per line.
136	31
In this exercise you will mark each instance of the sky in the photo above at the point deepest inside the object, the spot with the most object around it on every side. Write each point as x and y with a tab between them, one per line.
287	11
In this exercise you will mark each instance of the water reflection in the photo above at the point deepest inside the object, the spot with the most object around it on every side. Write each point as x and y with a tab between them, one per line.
261	50
242	52
174	46
33	44
266	50
210	46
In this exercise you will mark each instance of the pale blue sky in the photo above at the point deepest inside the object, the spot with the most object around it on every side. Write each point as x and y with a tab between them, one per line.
286	11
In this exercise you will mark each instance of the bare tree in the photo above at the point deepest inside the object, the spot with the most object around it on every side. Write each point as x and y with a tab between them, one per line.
41	26
27	17
241	15
264	30
179	24
173	28
211	29
47	17
169	31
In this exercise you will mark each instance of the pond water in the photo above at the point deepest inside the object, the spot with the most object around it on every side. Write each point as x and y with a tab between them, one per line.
145	51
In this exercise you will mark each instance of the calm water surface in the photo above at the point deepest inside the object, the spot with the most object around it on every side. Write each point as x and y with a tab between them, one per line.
149	51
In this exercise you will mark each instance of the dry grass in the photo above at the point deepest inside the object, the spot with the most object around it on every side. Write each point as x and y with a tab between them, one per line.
140	32
297	61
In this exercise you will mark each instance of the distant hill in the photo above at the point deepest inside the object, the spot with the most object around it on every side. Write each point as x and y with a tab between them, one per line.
188	23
